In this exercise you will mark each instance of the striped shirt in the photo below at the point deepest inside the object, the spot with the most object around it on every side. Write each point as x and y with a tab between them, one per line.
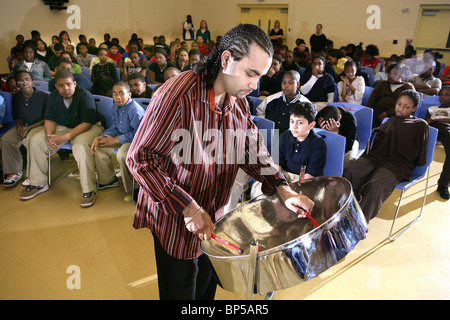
188	148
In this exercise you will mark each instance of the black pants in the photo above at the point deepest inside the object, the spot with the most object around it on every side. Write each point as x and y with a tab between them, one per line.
444	137
184	279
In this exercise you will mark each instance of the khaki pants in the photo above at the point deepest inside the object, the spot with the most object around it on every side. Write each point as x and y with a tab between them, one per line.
11	155
81	149
105	169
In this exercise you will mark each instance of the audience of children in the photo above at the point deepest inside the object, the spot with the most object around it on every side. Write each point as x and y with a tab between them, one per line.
282	85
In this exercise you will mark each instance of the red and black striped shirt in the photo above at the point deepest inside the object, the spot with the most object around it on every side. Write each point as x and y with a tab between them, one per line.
187	148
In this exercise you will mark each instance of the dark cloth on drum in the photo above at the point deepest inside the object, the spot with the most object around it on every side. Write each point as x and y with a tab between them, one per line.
184	279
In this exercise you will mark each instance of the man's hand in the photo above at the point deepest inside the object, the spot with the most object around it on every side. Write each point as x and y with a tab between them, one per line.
55	140
198	221
296	202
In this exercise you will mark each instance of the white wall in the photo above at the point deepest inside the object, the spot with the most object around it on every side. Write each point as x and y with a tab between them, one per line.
344	21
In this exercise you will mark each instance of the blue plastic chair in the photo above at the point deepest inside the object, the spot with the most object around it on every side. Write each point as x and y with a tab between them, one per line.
417	175
256	102
8	118
427	102
41	85
302	70
442	68
364	117
370	74
144	102
266	127
334	165
86	72
367	92
104	106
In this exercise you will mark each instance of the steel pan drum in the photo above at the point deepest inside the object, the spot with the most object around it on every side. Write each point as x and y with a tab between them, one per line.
291	250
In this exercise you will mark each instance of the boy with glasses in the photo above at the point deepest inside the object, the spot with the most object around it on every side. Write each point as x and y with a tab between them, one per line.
126	117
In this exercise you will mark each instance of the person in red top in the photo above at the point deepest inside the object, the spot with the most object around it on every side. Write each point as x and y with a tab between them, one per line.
203	47
185	174
369	59
445	75
114	54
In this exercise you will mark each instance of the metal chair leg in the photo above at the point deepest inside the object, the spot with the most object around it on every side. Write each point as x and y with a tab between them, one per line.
391	238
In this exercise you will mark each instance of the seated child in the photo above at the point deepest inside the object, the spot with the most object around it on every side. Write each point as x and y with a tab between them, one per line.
52	62
351	88
84	58
337	61
270	83
103	67
289	63
425	82
399	146
126	117
385	94
71	115
28	112
342	122
138	86
369	59
382	75
69	56
316	84
37	68
203	47
439	117
277	107
301	146
79	78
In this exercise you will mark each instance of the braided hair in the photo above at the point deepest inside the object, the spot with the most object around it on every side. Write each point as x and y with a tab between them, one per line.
238	41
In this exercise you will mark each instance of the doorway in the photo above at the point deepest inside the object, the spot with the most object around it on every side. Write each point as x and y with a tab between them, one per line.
265	17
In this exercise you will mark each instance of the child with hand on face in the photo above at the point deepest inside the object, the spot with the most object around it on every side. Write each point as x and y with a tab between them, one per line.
126	117
351	88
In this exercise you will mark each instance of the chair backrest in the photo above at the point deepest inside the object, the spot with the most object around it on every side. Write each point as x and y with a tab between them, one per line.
427	102
86	72
442	68
364	117
266	127
104	107
118	74
144	102
334	165
367	92
41	85
419	107
8	118
370	73
302	70
381	63
420	171
336	93
256	102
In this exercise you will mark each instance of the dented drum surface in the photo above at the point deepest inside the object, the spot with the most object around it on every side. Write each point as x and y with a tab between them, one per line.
291	250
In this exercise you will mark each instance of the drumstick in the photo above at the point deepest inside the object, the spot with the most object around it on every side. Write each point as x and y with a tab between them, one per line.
311	219
229	245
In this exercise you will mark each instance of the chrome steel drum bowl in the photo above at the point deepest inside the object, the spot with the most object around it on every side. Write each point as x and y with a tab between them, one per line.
291	250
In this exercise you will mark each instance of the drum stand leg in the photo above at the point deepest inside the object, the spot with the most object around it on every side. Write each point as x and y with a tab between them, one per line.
251	271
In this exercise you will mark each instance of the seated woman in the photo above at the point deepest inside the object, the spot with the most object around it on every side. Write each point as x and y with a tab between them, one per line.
351	88
316	84
385	94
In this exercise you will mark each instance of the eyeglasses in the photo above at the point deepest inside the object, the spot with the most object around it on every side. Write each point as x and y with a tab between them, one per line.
121	93
20	83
